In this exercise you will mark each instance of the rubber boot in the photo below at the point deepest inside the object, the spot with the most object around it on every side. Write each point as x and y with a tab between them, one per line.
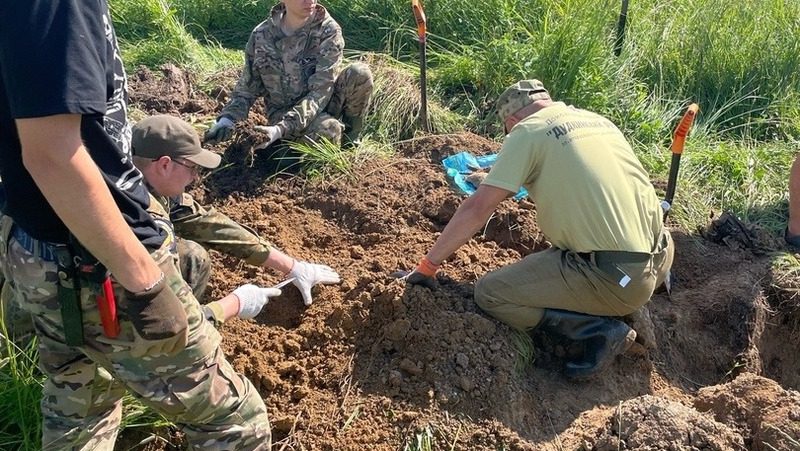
604	338
353	127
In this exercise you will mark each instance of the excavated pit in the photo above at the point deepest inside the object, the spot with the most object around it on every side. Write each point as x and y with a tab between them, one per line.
372	363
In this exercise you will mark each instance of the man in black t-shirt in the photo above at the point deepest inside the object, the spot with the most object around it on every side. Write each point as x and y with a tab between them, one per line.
68	177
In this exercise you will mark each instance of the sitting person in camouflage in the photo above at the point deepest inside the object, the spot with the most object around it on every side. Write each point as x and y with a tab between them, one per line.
293	60
167	150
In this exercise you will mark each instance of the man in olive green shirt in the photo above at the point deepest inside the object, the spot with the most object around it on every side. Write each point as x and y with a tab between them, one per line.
594	202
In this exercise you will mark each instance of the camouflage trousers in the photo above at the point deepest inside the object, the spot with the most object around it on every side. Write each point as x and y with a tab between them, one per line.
193	262
195	266
351	93
197	389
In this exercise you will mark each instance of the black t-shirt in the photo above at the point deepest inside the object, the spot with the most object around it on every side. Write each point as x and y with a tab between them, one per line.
60	57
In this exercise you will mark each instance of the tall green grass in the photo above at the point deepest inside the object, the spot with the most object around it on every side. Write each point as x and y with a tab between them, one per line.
746	178
151	33
20	393
739	62
735	57
21	385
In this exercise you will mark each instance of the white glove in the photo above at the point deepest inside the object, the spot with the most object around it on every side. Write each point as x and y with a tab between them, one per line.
222	130
309	274
253	298
273	132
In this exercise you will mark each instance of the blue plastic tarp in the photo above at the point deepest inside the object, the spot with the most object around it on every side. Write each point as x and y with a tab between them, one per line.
462	164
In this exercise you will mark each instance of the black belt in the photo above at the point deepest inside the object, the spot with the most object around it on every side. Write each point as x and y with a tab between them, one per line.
605	257
46	250
608	262
611	257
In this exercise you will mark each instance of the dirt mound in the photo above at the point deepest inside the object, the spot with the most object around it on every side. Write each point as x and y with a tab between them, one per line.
170	90
768	414
652	423
374	364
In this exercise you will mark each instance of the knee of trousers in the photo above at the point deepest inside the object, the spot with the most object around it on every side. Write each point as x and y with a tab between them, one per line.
484	297
194	259
329	128
360	74
189	251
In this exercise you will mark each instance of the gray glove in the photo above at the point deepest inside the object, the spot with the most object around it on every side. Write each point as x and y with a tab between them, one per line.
253	298
159	320
309	274
220	131
273	133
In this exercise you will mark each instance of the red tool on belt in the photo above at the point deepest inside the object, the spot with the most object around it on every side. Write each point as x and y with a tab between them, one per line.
107	305
97	276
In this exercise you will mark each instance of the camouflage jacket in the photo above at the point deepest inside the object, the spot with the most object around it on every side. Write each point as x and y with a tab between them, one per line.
295	74
211	229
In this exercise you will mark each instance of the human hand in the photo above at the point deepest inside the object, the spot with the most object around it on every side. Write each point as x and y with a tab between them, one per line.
273	133
220	131
253	298
309	274
424	274
159	320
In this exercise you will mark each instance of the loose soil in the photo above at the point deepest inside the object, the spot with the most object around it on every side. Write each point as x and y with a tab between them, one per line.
374	364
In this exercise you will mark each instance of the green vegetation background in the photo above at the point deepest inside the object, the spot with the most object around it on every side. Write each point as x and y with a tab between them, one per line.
738	61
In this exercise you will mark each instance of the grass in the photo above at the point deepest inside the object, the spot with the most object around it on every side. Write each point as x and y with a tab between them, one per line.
327	162
21	385
742	65
746	178
20	392
394	109
526	351
422	440
152	33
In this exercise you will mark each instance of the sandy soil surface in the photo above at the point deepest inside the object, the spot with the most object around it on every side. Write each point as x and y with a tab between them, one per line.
376	365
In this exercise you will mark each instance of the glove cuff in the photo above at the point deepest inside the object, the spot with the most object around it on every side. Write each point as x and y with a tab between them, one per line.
427	267
295	267
149	292
214	313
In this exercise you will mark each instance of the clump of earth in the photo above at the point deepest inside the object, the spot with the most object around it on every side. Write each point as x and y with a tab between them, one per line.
375	364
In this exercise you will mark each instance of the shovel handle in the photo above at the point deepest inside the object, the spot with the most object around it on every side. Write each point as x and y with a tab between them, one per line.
419	16
679	139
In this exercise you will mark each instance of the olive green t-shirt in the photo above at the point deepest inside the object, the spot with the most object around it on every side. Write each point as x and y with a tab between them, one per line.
590	190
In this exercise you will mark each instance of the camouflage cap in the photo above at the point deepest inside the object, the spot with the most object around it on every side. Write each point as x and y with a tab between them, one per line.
519	95
157	136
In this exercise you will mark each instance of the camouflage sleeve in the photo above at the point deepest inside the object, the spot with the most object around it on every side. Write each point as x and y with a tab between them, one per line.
214	230
320	84
248	88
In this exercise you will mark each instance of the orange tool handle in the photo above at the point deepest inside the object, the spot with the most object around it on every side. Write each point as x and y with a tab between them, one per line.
679	139
419	15
107	306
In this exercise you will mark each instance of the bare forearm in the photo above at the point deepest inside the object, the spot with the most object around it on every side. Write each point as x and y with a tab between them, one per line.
471	215
279	261
74	187
462	226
